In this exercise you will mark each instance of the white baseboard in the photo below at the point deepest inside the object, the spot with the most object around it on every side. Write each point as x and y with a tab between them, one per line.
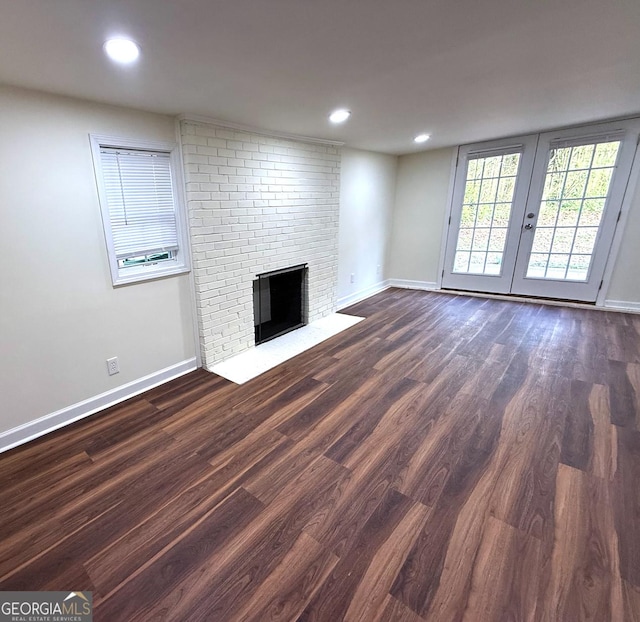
351	299
38	427
363	294
407	284
622	305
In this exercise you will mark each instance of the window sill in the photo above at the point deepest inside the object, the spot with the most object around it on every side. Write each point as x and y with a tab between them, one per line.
128	276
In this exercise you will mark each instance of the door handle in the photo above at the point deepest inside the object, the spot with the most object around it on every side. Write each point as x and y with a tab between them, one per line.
528	226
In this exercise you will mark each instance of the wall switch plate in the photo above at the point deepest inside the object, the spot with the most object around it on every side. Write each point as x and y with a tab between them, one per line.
112	366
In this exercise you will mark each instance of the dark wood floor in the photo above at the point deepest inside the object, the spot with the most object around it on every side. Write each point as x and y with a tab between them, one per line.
448	458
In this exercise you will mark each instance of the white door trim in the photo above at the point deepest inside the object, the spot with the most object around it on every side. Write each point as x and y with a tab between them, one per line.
447	216
621	226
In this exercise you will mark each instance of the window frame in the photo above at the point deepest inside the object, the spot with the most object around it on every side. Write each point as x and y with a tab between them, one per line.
180	264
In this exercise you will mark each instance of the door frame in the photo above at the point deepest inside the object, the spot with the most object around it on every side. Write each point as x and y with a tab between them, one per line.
633	186
447	216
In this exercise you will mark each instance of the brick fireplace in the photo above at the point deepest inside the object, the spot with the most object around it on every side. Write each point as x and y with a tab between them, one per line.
256	203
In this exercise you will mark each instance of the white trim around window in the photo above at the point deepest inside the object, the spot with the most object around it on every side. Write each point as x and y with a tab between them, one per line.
159	234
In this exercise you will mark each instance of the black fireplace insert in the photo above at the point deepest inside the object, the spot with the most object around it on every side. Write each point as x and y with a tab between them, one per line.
279	302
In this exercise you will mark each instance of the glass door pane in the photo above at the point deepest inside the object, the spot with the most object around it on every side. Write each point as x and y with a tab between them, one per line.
486	209
576	187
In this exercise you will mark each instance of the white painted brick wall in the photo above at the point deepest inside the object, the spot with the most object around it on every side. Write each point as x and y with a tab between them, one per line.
256	203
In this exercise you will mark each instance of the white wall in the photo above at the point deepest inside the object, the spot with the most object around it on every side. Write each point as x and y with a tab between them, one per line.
60	317
420	205
624	289
367	190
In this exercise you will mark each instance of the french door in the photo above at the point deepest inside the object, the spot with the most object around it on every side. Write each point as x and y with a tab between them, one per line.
536	215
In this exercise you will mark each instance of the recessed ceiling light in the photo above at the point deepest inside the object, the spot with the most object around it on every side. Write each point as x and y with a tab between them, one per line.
421	138
339	116
122	50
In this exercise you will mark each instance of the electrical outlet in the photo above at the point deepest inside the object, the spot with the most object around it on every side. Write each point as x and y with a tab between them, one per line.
112	366
379	270
353	277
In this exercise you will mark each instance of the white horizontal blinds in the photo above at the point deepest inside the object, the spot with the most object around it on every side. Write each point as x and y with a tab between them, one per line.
140	199
493	152
589	139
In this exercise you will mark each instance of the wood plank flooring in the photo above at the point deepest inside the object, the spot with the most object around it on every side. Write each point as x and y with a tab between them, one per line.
449	458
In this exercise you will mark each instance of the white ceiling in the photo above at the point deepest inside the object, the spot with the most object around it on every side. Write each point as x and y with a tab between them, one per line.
462	70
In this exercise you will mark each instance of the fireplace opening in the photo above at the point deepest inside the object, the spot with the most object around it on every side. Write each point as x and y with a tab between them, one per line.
279	302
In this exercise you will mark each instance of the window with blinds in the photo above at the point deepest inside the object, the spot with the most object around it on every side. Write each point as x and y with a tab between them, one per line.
139	209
